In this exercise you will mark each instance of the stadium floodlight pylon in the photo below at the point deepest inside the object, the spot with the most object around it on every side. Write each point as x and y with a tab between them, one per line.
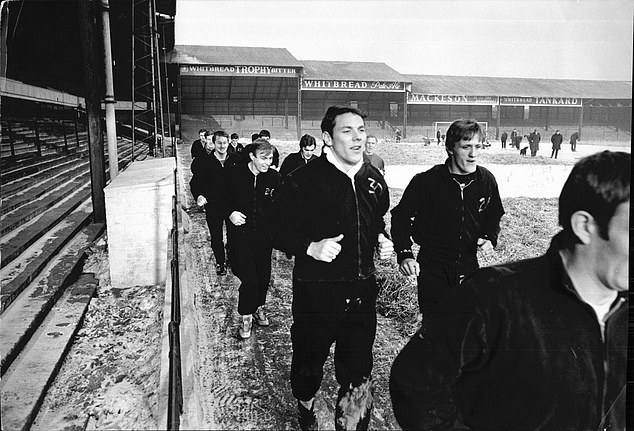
147	116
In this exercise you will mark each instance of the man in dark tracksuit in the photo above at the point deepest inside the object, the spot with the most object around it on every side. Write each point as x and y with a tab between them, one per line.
538	344
208	185
456	211
249	195
331	218
198	147
307	145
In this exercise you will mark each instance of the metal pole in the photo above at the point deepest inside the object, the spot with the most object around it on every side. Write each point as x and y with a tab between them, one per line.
167	97
151	17
155	40
111	123
299	107
132	80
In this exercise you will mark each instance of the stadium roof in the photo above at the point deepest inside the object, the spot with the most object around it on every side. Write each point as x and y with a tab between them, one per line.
489	86
231	55
351	70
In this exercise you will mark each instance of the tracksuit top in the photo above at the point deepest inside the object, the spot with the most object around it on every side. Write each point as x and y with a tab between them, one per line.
318	201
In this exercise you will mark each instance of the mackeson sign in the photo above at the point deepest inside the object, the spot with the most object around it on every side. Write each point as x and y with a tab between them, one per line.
341	85
450	99
211	70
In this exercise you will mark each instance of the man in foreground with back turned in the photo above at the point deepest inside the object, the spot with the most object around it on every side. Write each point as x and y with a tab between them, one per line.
331	218
535	344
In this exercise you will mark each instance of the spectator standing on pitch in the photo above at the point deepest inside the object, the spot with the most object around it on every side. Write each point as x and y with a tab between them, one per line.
198	147
249	195
533	142
438	136
265	134
503	139
234	145
556	139
307	146
331	218
398	135
208	185
535	344
514	136
456	210
573	141
371	157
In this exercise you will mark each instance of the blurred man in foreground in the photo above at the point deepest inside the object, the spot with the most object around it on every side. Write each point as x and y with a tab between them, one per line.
535	344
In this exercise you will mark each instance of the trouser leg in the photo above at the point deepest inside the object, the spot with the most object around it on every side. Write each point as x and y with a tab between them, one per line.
245	268
353	363
312	333
263	264
435	282
214	222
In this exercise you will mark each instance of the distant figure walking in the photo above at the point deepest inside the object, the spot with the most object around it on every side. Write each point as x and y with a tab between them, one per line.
398	135
503	139
533	142
514	140
573	141
556	139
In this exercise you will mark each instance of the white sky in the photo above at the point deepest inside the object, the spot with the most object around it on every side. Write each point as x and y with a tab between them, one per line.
569	39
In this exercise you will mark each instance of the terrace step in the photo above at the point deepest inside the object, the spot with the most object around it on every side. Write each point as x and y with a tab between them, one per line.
24	387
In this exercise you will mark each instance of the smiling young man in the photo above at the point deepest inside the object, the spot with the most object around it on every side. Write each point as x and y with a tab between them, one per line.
249	195
537	344
208	185
330	217
456	210
307	146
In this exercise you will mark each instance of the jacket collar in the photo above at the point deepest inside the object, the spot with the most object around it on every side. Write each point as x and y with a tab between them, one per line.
447	164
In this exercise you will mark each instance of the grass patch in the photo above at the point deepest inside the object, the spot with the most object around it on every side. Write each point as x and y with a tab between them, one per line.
525	232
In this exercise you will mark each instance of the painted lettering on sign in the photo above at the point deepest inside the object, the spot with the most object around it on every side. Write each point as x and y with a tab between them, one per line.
236	70
541	101
440	99
340	85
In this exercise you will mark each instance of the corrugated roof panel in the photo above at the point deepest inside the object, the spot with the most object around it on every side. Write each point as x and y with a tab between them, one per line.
232	55
351	70
491	86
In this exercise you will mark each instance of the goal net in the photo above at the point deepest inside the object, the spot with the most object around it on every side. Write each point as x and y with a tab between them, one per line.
444	125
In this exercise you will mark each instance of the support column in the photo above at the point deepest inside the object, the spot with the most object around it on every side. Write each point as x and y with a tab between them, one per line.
109	100
580	119
299	108
93	108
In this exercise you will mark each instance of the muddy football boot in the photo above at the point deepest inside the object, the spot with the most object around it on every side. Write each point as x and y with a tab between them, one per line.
221	269
354	407
245	327
306	418
260	317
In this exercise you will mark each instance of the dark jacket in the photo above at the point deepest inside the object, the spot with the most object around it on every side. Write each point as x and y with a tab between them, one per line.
447	223
209	179
556	139
504	136
238	149
294	161
198	149
252	195
317	202
515	349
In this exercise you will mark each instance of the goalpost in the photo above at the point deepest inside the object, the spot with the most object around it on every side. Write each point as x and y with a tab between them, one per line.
444	125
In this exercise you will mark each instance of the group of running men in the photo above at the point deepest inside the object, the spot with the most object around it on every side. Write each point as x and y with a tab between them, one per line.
536	344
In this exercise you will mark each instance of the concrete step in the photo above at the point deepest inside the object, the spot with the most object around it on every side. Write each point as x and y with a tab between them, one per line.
17	275
38	166
15	186
24	387
38	206
15	242
35	190
26	312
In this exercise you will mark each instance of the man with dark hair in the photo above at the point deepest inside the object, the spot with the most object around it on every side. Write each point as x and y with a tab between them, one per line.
369	156
503	139
452	211
307	146
234	145
198	147
265	134
250	193
535	344
556	140
330	216
208	185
